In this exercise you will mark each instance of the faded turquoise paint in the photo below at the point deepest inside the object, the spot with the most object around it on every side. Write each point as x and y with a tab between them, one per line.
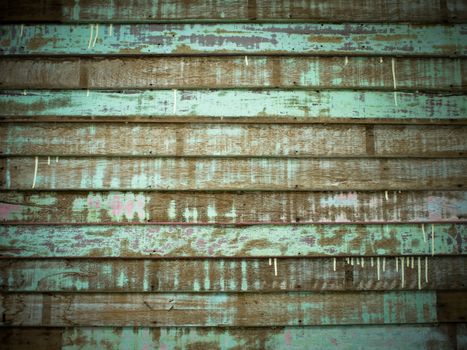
394	337
332	104
214	241
304	38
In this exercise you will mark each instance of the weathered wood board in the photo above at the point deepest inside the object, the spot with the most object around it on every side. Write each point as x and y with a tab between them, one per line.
231	275
426	11
230	72
300	105
322	174
234	207
237	140
172	241
220	309
382	39
382	337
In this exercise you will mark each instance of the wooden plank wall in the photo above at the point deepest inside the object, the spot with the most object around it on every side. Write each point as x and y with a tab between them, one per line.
233	174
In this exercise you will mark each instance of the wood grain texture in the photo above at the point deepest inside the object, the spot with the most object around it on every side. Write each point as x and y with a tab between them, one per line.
245	39
220	309
427	11
382	337
233	207
228	275
452	306
222	72
236	140
171	241
325	174
297	105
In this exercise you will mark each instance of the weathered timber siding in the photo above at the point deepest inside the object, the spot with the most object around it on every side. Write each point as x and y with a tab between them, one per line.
233	207
233	174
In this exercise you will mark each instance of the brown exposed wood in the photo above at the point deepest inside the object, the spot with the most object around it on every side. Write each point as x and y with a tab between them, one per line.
206	309
250	207
429	74
31	338
452	306
66	139
226	10
234	174
226	275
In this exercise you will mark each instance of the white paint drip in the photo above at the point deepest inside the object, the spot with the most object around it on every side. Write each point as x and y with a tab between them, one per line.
424	233
426	269
48	160
380	60
175	101
386	195
372	262
87	93
432	240
384	263
413	262
111	29
346	61
21	29
408	262
334	263
347	260
402	272
91	27
351	261
363	262
24	93
56	159
246	60
270	261
377	268
419	273
97	34
397	264
275	267
36	165
394	81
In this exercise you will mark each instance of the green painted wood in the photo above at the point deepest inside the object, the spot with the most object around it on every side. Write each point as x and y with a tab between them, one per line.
201	309
246	39
303	105
229	275
235	140
382	337
153	240
232	207
430	11
223	174
230	72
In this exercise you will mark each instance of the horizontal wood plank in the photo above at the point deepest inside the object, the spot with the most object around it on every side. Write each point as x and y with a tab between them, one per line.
233	207
301	105
224	174
236	140
230	241
382	337
244	39
231	275
200	309
221	72
427	11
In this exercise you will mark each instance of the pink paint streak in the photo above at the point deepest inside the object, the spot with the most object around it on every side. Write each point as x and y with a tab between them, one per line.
7	209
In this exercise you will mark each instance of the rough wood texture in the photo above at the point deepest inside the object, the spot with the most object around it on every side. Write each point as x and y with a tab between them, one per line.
172	241
233	207
324	174
297	105
232	140
220	309
229	275
245	39
452	306
382	337
426	74
426	11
